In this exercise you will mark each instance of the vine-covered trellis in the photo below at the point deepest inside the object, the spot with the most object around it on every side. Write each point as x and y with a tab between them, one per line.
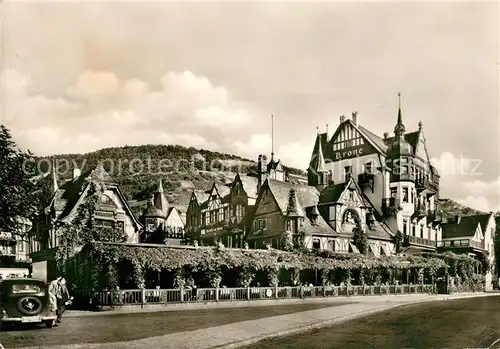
83	247
110	258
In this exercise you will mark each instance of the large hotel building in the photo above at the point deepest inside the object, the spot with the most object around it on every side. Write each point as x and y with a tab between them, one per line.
386	186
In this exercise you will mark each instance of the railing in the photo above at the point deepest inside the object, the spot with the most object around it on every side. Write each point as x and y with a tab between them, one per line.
203	295
421	241
465	243
427	183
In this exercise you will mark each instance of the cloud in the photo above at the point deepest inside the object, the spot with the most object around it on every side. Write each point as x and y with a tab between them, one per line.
99	110
294	154
450	165
257	144
482	195
93	85
479	188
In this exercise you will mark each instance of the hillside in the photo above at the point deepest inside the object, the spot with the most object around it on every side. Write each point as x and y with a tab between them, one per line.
452	208
138	169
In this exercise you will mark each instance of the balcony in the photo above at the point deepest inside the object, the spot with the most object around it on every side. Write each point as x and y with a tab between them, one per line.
428	184
464	243
420	211
413	240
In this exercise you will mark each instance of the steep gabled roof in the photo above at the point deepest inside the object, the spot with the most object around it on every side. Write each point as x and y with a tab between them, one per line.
465	228
332	193
484	220
201	196
249	185
306	197
222	189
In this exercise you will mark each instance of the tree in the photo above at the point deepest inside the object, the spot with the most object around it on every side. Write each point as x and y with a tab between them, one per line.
398	241
359	238
20	196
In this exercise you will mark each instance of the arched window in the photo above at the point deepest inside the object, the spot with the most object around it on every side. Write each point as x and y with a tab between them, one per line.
350	216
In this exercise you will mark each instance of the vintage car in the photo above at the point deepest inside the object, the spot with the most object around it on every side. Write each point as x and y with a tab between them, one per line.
25	301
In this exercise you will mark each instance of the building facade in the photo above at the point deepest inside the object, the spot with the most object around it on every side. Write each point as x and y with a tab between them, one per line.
110	211
222	214
394	175
163	223
472	235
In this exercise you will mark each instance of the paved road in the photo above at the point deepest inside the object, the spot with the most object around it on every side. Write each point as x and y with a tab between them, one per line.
106	328
463	323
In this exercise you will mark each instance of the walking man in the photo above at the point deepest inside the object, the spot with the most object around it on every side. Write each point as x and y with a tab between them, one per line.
53	291
62	298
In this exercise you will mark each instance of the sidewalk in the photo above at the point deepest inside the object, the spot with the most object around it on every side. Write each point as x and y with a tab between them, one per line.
248	332
268	302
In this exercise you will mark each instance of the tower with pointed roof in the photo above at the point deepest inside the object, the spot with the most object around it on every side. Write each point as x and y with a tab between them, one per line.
157	211
400	161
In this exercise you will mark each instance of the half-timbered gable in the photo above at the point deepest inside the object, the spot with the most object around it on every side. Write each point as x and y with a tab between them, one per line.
110	211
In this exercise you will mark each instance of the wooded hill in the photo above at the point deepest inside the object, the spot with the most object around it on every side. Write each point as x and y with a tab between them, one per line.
138	169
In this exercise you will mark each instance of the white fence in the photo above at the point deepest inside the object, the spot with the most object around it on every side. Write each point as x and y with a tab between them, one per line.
169	296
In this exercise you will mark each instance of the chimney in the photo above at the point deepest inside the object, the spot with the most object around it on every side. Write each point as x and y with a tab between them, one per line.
342	118
355	118
386	135
76	173
457	219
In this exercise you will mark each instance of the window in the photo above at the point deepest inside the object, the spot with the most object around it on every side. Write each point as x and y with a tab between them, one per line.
264	223
204	218
226	213
405	194
422	231
316	244
255	225
221	214
368	167
347	172
405	223
393	193
413	230
21	246
288	225
331	245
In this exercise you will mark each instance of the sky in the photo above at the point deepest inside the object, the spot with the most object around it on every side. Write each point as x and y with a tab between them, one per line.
78	77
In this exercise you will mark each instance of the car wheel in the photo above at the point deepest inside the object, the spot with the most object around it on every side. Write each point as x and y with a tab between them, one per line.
30	305
50	323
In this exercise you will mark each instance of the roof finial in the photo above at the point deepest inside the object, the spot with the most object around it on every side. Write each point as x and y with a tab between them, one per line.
327	130
317	129
399	129
420	124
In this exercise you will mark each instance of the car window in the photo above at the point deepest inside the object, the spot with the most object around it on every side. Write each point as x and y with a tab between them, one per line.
25	288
